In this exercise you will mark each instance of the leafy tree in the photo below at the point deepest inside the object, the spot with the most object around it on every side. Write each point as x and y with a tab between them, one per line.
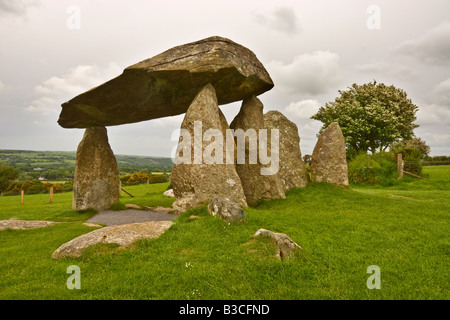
416	143
372	116
7	174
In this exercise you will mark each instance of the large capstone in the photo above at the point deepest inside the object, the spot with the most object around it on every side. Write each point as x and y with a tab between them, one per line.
329	162
257	186
96	184
166	84
292	171
204	167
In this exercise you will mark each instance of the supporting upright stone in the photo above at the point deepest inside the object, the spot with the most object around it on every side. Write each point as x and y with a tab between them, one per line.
96	183
203	167
256	186
292	171
329	162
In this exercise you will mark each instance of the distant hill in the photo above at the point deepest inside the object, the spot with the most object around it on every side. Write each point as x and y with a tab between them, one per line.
61	164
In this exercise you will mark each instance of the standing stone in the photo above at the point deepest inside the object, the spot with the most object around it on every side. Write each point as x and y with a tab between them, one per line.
96	183
329	163
292	170
256	186
198	179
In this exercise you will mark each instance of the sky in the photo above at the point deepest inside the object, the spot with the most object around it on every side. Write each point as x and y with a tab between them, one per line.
51	51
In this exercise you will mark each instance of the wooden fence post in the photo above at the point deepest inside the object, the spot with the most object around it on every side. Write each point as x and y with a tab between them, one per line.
51	194
120	188
22	195
400	165
148	182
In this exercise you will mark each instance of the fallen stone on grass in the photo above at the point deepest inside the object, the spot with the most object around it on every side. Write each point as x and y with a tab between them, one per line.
226	209
132	206
92	225
158	209
123	235
24	224
285	246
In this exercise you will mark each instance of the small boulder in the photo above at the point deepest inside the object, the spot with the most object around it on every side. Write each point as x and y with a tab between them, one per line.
285	246
169	193
226	209
329	161
132	206
123	235
24	224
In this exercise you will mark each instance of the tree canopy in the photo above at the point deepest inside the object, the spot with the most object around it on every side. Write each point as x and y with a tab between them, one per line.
416	143
371	116
7	174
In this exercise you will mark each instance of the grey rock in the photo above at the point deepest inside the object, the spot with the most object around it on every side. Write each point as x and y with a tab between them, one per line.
123	235
96	182
166	84
292	171
226	209
195	183
24	224
329	162
169	193
256	186
285	246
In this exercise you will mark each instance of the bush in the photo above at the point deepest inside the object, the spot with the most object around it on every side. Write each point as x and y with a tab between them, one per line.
125	178
33	187
158	178
68	186
13	189
137	178
140	177
362	169
36	186
7	174
379	168
412	159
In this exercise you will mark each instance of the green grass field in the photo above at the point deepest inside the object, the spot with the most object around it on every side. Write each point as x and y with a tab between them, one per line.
403	229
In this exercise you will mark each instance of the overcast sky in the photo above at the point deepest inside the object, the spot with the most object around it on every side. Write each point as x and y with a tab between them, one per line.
51	51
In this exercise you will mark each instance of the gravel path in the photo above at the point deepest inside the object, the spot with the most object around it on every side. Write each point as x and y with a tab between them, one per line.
111	218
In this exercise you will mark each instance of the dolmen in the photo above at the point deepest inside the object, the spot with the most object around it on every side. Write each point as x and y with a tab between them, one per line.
256	157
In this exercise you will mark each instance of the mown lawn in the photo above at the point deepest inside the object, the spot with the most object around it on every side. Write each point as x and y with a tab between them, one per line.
403	229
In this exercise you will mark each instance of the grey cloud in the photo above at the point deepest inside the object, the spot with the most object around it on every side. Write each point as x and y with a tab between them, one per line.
393	69
310	73
433	47
303	109
16	7
282	19
58	89
442	92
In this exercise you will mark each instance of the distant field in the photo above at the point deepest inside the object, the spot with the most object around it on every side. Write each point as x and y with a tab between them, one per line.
59	165
45	158
404	230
